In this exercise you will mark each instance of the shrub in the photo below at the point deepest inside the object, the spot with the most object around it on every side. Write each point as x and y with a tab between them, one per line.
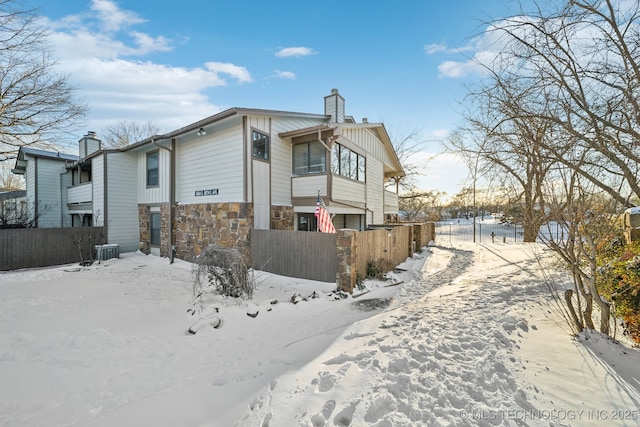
376	269
222	271
619	282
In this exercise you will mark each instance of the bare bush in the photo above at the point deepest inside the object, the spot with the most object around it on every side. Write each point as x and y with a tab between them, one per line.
221	271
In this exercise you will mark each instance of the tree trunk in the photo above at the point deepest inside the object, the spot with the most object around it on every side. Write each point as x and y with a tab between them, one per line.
588	309
572	311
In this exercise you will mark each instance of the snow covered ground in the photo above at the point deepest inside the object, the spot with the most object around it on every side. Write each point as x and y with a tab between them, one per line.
470	337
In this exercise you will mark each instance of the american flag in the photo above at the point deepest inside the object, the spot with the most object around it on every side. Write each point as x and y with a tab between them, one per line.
325	225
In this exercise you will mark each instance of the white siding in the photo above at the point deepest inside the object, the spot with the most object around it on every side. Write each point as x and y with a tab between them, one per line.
347	190
375	183
390	202
65	182
213	161
30	181
280	153
366	140
261	201
308	186
97	178
48	192
122	208
159	194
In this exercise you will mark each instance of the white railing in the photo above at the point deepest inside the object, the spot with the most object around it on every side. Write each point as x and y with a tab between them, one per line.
82	193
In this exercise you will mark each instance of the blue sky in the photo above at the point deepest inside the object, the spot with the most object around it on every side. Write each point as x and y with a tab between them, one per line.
403	63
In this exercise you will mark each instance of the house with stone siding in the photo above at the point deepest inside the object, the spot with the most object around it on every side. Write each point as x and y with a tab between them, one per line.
211	182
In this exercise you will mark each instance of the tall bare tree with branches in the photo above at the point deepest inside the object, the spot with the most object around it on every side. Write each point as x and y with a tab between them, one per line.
37	104
127	132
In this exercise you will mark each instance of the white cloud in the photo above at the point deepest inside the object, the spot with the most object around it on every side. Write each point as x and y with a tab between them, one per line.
237	72
432	48
109	69
112	17
285	74
295	51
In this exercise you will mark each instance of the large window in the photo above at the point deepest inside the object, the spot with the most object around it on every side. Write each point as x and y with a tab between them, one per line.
347	163
260	145
154	225
309	158
152	169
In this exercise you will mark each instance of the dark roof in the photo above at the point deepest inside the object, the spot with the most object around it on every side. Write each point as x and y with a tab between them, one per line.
12	194
34	152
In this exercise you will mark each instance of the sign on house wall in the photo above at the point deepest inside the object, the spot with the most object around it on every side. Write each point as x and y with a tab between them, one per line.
212	192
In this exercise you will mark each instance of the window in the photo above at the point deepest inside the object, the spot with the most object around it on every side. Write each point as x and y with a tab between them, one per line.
347	163
260	145
307	222
309	158
154	225
152	169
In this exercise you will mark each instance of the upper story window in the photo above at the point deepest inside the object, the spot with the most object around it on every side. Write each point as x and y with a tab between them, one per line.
260	145
348	163
153	169
308	158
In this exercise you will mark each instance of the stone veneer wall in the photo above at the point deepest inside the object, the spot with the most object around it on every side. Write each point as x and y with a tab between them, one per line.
165	240
346	253
143	227
144	219
282	217
225	225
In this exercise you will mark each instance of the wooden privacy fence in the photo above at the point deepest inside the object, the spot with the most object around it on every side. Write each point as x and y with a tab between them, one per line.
43	247
340	257
295	253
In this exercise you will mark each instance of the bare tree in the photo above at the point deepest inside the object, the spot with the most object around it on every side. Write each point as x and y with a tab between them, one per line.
37	104
406	146
505	146
420	205
127	132
584	62
8	180
582	223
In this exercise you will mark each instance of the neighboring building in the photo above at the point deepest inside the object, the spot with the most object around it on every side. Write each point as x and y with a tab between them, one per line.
46	180
212	181
13	209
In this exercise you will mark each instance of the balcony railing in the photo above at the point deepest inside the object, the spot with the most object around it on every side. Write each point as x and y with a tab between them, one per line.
390	202
82	193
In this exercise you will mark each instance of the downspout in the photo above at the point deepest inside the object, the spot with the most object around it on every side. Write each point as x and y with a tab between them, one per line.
36	211
172	198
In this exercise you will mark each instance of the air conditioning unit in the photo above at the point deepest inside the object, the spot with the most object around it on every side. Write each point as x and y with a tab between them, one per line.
104	252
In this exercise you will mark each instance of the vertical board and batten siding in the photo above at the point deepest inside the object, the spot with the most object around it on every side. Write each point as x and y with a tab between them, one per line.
299	254
122	207
44	247
48	191
97	179
159	194
212	161
366	140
